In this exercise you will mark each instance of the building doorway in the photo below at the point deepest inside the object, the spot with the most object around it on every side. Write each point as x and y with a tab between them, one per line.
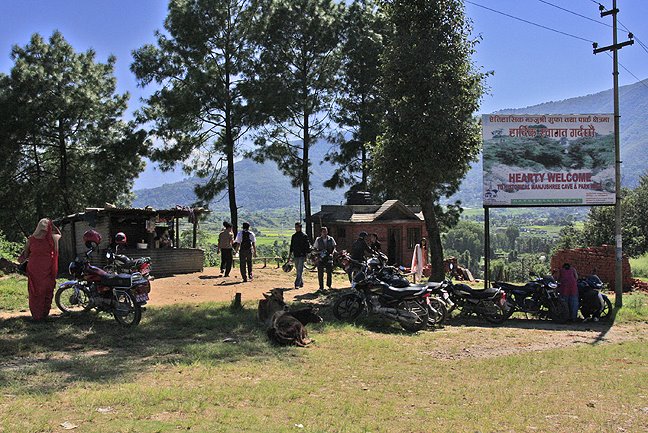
394	247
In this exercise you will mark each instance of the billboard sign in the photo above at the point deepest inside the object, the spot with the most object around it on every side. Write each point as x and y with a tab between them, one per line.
548	160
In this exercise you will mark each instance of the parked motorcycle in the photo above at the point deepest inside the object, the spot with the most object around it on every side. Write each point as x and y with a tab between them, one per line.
488	303
437	307
405	305
594	305
538	297
120	263
122	295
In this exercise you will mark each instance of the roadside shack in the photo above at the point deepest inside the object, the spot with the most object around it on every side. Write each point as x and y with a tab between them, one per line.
150	232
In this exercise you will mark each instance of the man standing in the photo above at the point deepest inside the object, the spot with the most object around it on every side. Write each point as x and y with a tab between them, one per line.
375	243
225	247
246	242
299	249
325	246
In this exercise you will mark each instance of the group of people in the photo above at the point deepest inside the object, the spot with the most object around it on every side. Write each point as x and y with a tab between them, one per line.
244	243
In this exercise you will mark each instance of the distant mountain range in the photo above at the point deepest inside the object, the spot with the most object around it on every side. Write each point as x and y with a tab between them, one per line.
258	187
263	186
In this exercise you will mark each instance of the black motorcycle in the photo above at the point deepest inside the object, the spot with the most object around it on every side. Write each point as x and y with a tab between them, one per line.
121	295
489	303
405	305
594	305
121	263
538	297
436	298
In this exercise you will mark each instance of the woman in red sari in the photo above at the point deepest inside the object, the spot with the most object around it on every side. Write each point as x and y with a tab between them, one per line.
42	251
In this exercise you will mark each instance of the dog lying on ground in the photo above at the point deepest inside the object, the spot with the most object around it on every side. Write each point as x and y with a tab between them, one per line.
273	302
289	327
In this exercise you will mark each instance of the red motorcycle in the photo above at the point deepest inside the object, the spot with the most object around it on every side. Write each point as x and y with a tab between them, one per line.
121	295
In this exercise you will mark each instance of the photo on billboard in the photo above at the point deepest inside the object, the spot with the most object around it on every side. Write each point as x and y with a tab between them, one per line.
548	160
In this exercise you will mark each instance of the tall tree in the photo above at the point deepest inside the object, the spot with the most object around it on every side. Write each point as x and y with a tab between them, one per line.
431	91
296	79
359	107
200	112
61	128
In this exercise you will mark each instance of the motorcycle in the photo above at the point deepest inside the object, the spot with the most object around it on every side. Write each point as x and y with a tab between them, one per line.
122	295
538	297
120	263
594	305
488	303
368	293
436	306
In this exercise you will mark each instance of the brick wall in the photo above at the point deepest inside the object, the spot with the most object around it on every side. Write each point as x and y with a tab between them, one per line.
598	260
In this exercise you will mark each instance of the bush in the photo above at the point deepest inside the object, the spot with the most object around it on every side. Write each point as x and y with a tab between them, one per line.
9	250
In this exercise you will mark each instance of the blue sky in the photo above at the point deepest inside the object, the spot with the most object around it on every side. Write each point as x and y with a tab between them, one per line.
531	65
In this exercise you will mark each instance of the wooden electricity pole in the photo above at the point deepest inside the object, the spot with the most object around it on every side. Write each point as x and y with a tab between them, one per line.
618	268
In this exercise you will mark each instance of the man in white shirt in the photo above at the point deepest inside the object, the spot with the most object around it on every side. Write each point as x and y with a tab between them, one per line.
246	244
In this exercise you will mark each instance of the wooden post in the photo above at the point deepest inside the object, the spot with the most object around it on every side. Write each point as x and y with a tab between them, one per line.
486	247
177	232
195	233
236	303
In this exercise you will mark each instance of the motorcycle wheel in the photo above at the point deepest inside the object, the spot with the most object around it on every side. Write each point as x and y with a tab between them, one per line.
558	310
607	308
70	302
348	307
498	315
127	312
437	311
420	310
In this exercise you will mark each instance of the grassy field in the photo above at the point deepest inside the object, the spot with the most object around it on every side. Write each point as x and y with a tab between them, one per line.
207	368
639	266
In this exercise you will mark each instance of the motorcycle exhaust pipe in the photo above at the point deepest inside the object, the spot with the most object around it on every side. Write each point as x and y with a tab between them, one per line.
399	315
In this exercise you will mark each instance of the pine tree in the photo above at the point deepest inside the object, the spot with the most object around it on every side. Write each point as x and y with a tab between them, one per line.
431	92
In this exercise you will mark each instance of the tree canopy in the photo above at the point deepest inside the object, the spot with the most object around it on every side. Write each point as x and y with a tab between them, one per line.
63	136
431	91
200	112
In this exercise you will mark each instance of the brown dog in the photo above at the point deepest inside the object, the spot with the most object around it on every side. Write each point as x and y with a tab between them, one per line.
289	327
273	302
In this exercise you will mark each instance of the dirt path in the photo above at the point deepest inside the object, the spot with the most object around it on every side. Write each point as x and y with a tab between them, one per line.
210	286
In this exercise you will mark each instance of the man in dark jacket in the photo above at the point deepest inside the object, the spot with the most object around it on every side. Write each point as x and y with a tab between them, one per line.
358	250
299	249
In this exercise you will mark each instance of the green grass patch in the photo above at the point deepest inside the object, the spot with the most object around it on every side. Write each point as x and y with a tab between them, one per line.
176	371
13	293
635	308
639	266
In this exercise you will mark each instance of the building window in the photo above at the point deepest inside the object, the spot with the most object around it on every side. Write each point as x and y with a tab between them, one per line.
341	232
413	237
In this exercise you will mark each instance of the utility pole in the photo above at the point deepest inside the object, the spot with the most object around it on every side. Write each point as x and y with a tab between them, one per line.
618	264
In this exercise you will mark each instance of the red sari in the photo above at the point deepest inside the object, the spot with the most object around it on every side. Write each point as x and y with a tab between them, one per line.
42	269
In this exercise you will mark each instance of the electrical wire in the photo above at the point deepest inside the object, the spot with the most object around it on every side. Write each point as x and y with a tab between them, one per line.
628	71
575	13
529	22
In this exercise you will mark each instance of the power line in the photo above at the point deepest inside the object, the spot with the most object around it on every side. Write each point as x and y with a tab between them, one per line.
529	22
575	13
628	71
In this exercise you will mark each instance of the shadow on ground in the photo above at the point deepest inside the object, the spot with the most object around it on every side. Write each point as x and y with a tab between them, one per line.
45	357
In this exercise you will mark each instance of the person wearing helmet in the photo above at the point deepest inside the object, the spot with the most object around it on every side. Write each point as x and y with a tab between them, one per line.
299	248
41	250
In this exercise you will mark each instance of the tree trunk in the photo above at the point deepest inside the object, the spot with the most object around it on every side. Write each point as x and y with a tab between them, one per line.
63	165
434	238
229	137
306	178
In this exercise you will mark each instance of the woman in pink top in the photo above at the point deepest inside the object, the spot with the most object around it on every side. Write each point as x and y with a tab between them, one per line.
568	279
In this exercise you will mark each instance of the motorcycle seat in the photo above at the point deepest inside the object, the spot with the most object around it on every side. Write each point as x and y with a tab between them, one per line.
116	280
434	285
403	292
479	293
514	287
